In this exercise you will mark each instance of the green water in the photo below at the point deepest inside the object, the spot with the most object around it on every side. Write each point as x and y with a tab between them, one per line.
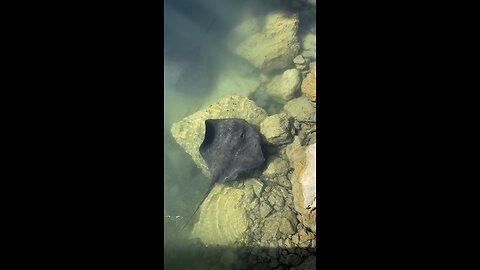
199	70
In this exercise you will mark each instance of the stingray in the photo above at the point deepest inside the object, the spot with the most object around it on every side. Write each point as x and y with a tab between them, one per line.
230	147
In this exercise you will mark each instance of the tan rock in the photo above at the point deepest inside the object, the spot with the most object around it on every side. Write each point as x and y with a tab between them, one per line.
304	179
271	226
273	47
309	220
289	245
305	235
286	227
265	209
290	216
291	148
222	218
309	42
276	166
284	87
301	109
295	239
276	129
277	222
309	85
256	185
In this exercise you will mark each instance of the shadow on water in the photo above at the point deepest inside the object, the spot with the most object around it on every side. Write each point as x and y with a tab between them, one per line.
182	252
223	258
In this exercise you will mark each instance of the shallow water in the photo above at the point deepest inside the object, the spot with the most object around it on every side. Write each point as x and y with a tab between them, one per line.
199	70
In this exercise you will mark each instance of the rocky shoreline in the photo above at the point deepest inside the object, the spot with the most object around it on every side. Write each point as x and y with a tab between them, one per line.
269	214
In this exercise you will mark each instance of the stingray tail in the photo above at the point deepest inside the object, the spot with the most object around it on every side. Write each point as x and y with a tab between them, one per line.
198	206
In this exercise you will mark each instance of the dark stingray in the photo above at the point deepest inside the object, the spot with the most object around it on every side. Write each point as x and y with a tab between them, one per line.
230	147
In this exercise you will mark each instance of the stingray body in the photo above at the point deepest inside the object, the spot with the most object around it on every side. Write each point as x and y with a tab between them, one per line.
230	147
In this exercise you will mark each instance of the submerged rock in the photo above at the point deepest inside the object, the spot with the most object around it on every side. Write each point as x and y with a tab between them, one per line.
256	185
301	109
305	235
299	60
276	129
222	217
304	180
265	209
286	227
284	87
309	85
301	68
309	54
278	225
273	47
309	42
190	131
283	180
309	220
270	227
291	148
276	166
249	195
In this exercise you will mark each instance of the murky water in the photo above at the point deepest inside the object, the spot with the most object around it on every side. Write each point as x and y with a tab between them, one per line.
200	68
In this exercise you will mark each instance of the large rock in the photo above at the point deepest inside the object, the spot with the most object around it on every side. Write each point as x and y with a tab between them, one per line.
222	217
309	220
299	60
310	54
276	166
309	42
301	109
304	179
291	148
255	185
274	47
190	131
276	129
284	87
274	223
309	85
